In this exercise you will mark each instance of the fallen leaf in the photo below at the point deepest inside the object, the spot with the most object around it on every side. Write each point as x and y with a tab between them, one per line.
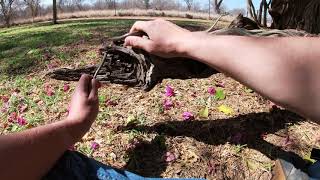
204	112
225	109
132	120
248	90
220	95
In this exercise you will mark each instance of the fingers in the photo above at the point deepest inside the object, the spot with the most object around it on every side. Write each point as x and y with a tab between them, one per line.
84	84
94	90
140	26
139	42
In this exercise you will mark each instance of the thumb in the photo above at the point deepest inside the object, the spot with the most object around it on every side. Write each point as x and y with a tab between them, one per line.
139	42
94	89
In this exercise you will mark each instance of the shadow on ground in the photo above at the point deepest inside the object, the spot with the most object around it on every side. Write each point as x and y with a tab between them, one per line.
249	127
146	158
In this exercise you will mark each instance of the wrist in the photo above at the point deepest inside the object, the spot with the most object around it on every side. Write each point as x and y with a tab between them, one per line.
75	128
186	46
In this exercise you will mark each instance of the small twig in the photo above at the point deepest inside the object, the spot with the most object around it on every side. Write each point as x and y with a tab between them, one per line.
123	37
215	23
98	69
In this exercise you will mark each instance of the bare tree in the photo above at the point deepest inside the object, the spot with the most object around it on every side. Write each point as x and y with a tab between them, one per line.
163	4
78	4
146	4
217	6
33	6
6	11
189	4
54	10
251	10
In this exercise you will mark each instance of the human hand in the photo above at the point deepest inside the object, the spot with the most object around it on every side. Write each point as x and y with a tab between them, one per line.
165	38
84	104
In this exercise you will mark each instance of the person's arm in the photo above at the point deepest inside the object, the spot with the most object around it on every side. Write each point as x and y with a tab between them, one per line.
32	153
285	70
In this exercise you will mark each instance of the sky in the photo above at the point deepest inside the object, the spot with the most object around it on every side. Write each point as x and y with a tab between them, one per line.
230	4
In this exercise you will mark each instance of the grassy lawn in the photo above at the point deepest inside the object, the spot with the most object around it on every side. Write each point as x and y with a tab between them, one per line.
235	133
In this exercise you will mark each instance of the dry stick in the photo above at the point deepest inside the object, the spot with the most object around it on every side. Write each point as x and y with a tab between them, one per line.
95	76
123	37
100	66
214	24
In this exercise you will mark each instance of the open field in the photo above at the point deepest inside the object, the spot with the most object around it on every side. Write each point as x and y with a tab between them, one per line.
239	138
125	13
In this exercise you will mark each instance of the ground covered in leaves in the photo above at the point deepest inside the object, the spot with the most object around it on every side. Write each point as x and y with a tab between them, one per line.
213	128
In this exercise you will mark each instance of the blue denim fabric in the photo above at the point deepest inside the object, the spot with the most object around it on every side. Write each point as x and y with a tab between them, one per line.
76	166
314	170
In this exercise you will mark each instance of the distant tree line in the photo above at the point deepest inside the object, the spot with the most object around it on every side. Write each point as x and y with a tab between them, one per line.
22	9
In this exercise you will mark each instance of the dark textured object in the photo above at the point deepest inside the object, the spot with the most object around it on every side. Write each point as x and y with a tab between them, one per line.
296	14
136	68
243	22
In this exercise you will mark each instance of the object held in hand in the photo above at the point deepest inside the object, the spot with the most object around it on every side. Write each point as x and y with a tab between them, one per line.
120	39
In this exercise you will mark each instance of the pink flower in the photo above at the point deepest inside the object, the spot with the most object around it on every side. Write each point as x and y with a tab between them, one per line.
48	89
66	87
21	121
211	90
167	104
169	91
12	117
169	157
4	99
187	116
95	146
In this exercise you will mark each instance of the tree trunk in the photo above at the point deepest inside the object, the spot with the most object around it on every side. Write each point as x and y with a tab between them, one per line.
217	6
251	10
54	10
296	14
260	13
265	10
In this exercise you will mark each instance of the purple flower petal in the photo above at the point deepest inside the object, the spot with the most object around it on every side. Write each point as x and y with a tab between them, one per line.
66	87
169	157
211	90
12	117
4	99
169	91
21	121
95	145
187	116
167	104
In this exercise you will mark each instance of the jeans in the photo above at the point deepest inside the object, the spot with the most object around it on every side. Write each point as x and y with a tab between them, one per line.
76	166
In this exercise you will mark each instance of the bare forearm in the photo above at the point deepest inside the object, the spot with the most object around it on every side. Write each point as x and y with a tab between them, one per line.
34	151
286	70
